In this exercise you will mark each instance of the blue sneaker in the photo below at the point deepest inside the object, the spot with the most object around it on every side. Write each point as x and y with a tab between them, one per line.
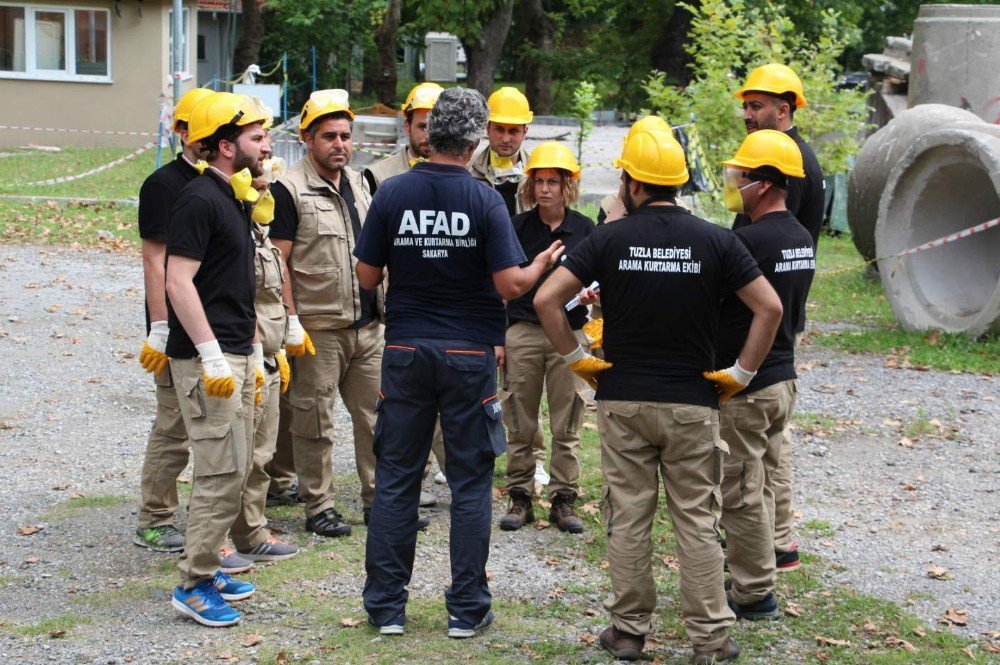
231	589
204	604
459	629
396	626
764	609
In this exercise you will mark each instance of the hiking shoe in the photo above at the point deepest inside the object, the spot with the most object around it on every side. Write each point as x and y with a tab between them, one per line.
440	478
541	475
622	645
395	627
762	610
787	561
427	500
459	629
290	497
328	523
231	589
204	604
422	521
231	563
164	538
271	549
561	513
520	511
728	652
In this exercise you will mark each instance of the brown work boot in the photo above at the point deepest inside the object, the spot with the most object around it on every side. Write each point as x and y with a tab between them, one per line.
726	653
561	514
622	645
520	511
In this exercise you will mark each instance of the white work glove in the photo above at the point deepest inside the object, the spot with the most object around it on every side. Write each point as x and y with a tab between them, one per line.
215	368
153	356
297	341
730	381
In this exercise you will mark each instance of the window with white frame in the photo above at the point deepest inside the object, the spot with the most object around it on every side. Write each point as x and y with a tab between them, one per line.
185	17
55	43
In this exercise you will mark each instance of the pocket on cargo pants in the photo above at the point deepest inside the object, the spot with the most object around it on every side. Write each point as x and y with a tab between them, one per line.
210	431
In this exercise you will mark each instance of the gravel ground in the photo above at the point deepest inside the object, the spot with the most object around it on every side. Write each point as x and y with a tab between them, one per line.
76	410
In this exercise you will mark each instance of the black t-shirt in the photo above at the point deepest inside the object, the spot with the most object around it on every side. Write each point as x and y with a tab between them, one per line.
663	273
805	200
442	234
508	190
286	224
784	252
209	225
157	196
535	237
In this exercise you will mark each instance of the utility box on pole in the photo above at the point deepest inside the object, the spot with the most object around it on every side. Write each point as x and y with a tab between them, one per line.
440	57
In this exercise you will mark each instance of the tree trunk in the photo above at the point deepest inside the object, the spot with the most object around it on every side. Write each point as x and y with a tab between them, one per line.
668	53
251	37
540	31
385	41
482	51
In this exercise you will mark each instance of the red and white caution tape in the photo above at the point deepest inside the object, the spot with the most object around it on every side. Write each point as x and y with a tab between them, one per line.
77	131
965	233
69	178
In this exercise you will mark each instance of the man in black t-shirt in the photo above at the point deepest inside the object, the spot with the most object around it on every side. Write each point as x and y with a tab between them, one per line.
451	255
757	511
167	446
210	308
663	273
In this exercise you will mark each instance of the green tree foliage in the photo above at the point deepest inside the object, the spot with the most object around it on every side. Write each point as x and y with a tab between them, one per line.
729	38
585	102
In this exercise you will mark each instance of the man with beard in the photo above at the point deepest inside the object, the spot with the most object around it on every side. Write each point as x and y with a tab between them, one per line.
501	160
663	273
334	326
210	311
770	97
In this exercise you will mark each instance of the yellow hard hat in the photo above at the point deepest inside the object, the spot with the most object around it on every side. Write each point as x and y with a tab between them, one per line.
553	155
324	102
654	156
768	147
182	112
648	122
422	96
509	106
774	79
224	108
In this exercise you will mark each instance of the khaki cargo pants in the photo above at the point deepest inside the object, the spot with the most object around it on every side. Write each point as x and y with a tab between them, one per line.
281	468
532	362
750	424
166	457
681	443
778	476
250	528
221	432
348	361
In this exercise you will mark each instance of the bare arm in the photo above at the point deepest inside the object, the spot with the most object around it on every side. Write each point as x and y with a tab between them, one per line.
369	276
153	268
552	295
285	247
185	300
516	281
760	297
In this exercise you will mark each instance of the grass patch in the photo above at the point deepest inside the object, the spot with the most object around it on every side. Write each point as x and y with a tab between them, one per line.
118	182
845	293
820	528
106	225
72	507
55	626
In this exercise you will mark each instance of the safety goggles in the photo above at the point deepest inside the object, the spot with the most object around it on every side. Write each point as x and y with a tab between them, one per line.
250	110
424	98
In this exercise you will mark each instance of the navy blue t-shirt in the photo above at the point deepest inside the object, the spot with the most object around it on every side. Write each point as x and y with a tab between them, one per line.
441	234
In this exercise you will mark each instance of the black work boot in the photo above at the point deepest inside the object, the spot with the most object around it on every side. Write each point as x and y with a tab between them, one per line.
561	514
520	511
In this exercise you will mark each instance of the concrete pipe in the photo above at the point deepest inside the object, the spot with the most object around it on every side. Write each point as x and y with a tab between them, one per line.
947	181
954	58
877	157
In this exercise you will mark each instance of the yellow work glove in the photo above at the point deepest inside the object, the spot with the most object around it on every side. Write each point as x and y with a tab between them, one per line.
730	381
263	210
594	331
216	371
297	342
258	373
284	370
585	366
153	356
